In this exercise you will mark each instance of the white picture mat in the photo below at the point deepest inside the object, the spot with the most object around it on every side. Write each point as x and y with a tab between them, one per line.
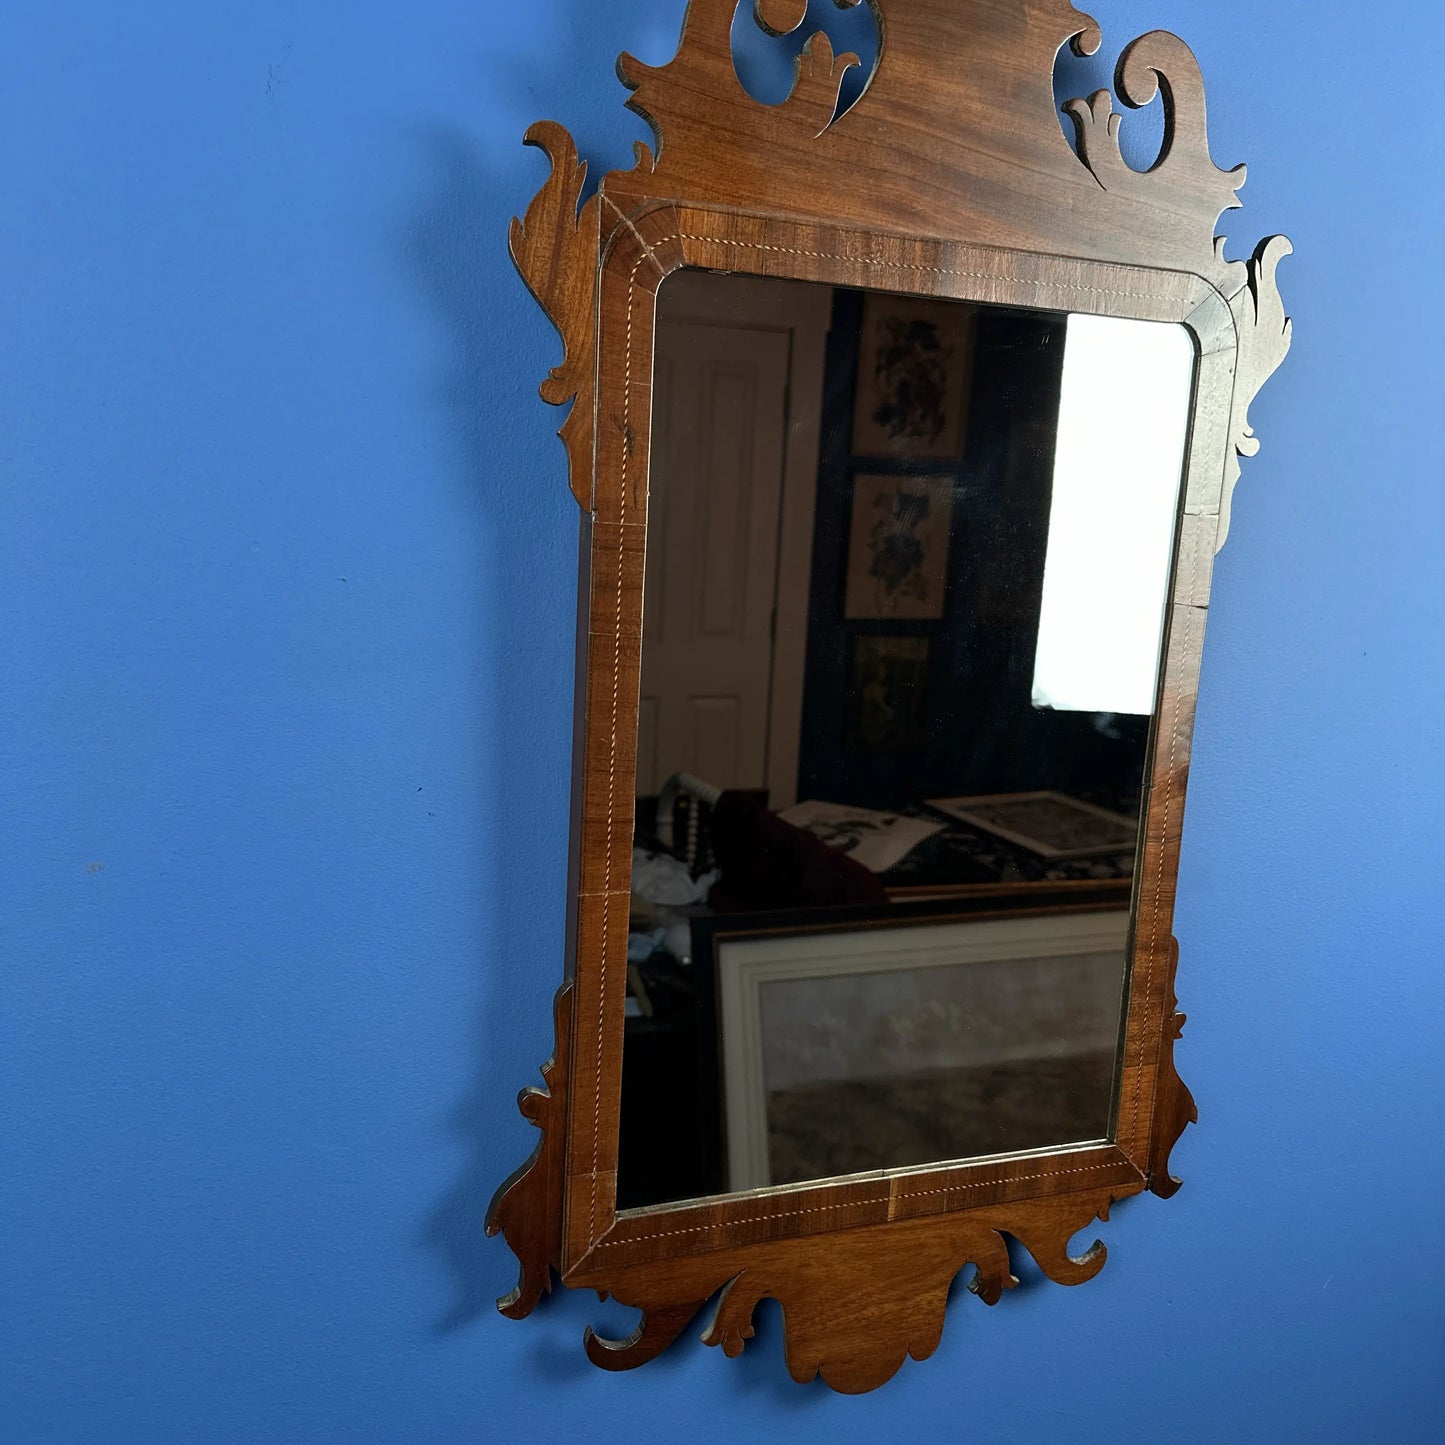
745	965
1118	466
875	839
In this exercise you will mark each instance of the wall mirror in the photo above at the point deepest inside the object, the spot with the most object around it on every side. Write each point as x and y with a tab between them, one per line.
904	432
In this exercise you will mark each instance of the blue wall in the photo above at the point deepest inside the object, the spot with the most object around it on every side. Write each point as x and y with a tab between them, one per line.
288	594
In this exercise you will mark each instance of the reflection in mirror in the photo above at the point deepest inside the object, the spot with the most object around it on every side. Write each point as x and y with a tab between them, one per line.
906	582
1123	420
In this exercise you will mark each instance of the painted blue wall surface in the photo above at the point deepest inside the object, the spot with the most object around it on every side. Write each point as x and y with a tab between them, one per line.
288	587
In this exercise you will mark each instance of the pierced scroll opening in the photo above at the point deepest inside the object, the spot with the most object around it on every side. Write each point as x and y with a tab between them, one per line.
1141	132
769	38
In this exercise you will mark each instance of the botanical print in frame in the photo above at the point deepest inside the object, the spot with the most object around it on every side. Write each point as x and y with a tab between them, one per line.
914	364
887	694
898	547
1053	825
905	1043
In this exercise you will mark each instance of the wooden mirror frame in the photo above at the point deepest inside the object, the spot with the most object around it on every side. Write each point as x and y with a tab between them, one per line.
950	176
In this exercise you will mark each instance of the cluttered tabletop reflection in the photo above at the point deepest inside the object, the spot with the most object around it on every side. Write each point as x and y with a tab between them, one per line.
715	870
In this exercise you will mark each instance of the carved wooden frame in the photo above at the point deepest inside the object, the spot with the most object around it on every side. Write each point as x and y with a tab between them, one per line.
950	176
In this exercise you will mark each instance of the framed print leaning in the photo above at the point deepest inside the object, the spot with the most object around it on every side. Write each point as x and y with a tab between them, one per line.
905	1043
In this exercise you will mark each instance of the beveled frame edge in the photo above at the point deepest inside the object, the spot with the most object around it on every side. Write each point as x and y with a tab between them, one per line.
641	252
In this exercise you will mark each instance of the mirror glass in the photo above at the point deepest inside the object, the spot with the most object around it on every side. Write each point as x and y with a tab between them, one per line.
907	570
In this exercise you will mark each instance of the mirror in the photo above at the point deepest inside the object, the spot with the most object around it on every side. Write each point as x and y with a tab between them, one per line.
907	568
904	422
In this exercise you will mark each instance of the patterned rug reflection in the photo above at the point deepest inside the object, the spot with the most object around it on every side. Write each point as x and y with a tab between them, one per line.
817	1131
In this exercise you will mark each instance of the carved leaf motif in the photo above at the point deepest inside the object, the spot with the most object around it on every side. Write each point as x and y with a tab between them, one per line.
817	80
1096	125
954	128
1265	334
1174	1107
715	144
858	1303
706	49
1161	62
1155	64
817	73
655	1331
707	42
555	249
527	1208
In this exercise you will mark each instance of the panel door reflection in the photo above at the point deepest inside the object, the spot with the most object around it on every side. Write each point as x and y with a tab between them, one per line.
907	567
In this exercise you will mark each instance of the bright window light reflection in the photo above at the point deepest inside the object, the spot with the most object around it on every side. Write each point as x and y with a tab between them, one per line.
1123	420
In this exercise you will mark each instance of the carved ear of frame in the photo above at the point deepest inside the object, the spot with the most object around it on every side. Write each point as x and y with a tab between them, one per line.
951	175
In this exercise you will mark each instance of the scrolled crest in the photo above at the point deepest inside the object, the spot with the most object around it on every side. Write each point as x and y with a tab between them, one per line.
555	250
527	1208
1265	334
1160	64
955	144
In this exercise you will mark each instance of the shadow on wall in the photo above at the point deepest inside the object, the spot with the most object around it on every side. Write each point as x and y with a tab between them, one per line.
495	347
486	389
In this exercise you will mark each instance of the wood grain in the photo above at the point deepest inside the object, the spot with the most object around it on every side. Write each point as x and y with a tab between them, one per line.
950	176
1174	1107
527	1208
857	1302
